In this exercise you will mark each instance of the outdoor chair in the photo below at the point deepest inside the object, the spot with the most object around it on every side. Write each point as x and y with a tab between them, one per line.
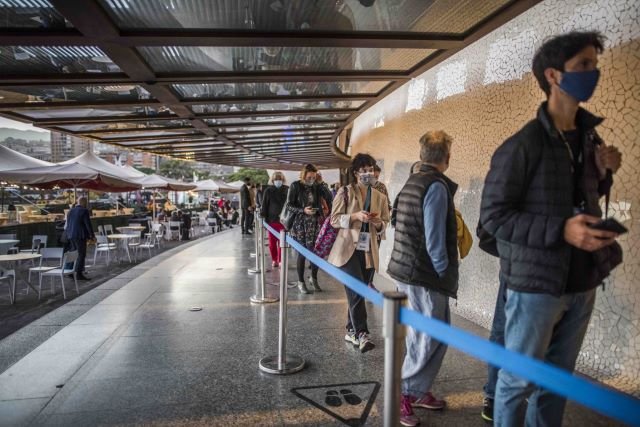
175	229
5	276
134	243
108	229
61	271
50	259
149	242
103	246
156	229
101	231
41	240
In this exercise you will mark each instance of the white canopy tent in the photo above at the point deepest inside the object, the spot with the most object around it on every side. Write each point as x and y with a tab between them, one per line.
12	160
90	159
211	185
158	182
68	176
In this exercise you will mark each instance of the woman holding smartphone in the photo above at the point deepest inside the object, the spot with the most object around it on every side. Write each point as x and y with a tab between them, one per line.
362	222
303	201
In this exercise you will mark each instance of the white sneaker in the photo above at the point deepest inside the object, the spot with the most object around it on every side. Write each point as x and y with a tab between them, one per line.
365	342
350	337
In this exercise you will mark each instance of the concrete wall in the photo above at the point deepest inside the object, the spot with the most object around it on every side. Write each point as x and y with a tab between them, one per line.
484	94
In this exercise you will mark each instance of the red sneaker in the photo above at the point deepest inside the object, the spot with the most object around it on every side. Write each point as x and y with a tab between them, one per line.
407	417
429	401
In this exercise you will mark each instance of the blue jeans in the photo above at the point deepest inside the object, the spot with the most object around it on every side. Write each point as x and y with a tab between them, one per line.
496	336
424	354
547	328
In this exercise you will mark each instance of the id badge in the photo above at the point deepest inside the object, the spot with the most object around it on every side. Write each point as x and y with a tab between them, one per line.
364	242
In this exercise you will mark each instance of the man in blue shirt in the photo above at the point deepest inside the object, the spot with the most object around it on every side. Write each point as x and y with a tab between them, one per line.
424	263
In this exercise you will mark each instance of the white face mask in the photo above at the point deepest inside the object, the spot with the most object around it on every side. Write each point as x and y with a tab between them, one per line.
309	182
277	183
367	178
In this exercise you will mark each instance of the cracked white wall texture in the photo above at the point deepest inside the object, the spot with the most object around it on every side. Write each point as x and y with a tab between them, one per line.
484	94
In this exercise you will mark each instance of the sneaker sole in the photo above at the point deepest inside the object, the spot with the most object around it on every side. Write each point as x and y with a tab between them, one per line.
367	347
486	417
409	424
432	408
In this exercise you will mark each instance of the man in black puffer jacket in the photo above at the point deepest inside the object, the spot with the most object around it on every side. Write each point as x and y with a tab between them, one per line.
540	197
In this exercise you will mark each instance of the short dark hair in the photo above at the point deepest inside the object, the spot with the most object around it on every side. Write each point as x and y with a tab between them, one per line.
247	179
376	168
556	51
361	160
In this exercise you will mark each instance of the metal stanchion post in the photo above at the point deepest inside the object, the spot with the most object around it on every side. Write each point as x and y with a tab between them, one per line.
256	234
282	363
394	334
261	298
255	231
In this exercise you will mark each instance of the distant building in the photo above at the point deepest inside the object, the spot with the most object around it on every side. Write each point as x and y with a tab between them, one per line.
38	149
65	147
120	155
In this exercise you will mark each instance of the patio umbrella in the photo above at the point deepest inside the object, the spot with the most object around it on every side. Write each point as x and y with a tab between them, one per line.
158	182
12	160
68	176
90	159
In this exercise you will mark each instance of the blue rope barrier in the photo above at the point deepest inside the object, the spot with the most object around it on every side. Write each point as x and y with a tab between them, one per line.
612	403
271	229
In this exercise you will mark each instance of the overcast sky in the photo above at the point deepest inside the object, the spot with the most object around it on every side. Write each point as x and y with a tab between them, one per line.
6	123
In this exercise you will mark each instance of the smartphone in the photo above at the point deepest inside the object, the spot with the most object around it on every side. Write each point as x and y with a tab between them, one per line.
610	224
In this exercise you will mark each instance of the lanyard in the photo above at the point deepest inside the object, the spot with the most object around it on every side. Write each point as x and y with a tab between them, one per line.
570	151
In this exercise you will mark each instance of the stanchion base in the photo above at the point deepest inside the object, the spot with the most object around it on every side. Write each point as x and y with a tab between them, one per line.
292	365
253	271
263	300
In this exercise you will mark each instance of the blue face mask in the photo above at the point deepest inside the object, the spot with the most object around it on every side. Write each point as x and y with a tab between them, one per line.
580	85
277	183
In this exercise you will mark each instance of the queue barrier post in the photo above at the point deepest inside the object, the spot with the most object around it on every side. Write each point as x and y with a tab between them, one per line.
262	297
256	235
393	332
282	363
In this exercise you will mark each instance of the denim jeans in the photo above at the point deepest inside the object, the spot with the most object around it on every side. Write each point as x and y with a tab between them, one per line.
424	355
496	336
548	328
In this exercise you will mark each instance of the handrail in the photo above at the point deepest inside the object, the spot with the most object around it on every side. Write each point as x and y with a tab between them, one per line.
610	402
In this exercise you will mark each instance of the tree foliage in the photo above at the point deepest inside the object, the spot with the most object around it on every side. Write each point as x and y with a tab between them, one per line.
176	169
258	176
146	170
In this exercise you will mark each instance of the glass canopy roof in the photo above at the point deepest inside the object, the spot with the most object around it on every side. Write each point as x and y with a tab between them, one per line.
282	15
249	82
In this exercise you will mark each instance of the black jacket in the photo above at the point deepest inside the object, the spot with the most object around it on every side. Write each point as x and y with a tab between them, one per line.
273	201
79	224
296	202
410	262
245	198
528	223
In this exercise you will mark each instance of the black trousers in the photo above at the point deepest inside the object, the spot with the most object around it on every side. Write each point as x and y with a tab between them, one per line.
246	220
357	310
300	266
79	245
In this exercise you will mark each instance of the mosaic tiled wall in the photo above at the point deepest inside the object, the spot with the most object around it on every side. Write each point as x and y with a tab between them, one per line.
484	94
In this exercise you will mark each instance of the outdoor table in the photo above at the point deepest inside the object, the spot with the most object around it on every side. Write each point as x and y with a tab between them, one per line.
131	227
124	242
5	245
13	258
